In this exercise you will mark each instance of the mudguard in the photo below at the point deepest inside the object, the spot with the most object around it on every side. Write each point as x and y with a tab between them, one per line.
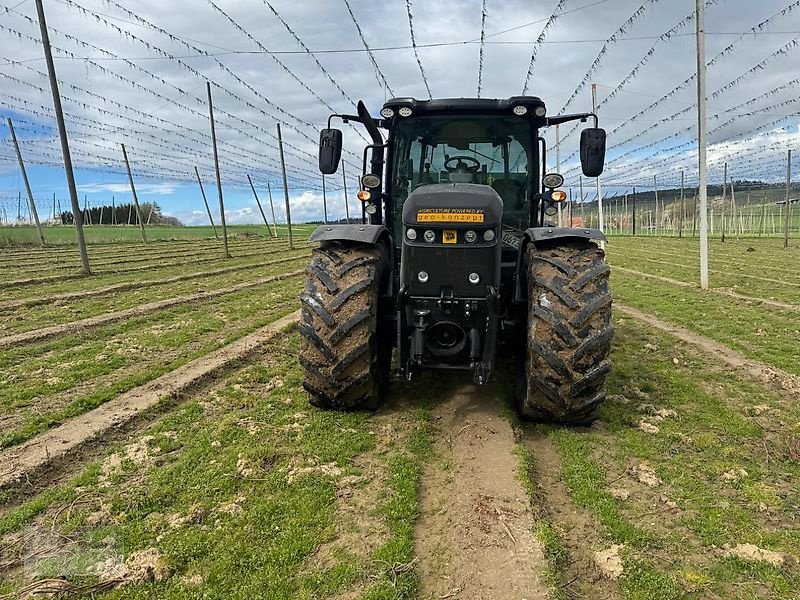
539	235
362	234
365	234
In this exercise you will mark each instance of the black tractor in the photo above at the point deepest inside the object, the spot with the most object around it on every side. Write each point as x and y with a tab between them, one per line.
454	250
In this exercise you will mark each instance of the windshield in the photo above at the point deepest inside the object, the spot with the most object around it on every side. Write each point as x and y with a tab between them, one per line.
490	150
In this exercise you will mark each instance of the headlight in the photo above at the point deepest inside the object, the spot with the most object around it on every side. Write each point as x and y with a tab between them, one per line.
474	278
429	236
371	181
470	236
488	235
387	113
558	195
540	111
411	234
520	110
553	180
422	276
370	208
404	111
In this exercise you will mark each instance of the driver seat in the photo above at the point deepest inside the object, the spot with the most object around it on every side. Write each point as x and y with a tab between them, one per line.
511	191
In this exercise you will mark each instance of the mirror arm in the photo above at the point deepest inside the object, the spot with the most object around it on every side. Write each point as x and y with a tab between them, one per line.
566	118
344	118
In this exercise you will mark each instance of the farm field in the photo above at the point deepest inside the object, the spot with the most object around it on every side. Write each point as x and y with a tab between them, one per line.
64	235
226	483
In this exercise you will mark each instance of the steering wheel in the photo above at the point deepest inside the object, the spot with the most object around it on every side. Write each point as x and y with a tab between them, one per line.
461	166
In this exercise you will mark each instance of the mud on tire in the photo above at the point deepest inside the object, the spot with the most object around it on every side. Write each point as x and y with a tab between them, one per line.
569	333
339	345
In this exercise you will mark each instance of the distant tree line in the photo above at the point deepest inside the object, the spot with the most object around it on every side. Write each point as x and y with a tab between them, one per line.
122	214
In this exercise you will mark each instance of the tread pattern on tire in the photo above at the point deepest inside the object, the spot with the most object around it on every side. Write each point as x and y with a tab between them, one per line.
569	333
338	329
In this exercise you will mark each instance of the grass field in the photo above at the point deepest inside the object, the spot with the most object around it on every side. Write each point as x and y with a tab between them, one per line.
62	235
236	487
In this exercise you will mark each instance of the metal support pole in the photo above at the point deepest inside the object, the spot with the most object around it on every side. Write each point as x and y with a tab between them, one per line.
272	209
786	208
285	188
683	208
724	195
324	202
216	170
205	201
634	211
32	204
135	197
344	187
261	210
701	140
62	131
601	221
658	222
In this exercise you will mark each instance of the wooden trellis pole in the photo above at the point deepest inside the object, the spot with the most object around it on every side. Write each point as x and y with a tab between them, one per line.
261	210
31	202
216	169
135	197
205	201
62	132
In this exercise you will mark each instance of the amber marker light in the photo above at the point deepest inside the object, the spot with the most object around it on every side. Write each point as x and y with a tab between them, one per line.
364	195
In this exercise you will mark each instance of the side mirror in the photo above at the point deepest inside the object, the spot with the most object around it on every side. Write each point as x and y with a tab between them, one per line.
330	150
593	151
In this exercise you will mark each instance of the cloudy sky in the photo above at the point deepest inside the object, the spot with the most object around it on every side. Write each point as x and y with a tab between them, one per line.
136	72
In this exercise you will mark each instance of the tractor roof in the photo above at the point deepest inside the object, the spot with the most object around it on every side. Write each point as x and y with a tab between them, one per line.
465	105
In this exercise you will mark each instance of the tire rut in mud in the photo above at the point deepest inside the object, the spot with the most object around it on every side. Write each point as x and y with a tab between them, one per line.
578	531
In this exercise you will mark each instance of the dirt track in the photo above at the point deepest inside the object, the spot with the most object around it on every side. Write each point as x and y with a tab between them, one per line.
759	371
723	291
475	537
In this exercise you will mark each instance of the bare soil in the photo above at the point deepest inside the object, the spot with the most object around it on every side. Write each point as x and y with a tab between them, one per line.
22	462
474	536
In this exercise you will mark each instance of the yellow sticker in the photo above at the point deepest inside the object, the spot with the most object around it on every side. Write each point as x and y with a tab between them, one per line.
449	236
451	216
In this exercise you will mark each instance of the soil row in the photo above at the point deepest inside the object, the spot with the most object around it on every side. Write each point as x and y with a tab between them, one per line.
130	285
139	258
45	333
58	444
66	276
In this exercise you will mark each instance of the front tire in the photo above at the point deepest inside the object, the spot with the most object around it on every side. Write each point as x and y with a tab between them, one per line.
569	333
342	358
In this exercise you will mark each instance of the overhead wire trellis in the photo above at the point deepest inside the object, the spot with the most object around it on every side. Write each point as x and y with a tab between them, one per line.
164	120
